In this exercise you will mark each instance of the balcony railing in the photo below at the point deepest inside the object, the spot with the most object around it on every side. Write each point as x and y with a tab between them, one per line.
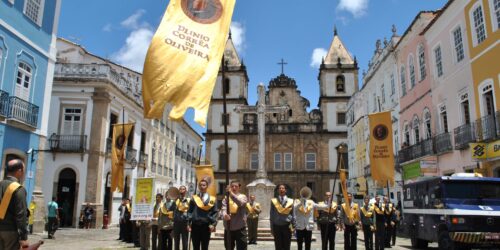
4	103
131	154
443	143
423	148
23	111
143	158
68	143
464	135
486	128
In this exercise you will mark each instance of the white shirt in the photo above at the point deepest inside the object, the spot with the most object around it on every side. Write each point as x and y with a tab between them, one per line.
305	221
204	197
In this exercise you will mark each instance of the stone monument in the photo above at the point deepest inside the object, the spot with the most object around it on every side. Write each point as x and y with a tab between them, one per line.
261	187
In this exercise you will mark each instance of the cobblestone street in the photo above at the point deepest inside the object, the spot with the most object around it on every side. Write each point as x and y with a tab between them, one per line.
106	239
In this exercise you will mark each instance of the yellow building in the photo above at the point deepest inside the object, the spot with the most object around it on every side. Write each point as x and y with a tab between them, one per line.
482	19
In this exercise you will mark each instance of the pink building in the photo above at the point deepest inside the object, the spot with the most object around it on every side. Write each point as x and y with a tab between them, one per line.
417	124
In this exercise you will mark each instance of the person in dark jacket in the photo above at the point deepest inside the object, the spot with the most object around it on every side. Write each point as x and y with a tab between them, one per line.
13	218
180	209
202	217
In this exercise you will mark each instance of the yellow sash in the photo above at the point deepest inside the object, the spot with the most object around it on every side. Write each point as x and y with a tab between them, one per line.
354	216
282	210
182	206
307	209
389	209
368	213
155	212
6	198
200	204
165	211
233	207
380	210
250	209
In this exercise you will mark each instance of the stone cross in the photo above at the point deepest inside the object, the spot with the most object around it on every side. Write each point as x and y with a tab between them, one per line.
261	110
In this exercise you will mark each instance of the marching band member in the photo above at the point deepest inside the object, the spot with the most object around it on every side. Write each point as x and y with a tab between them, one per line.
281	217
327	221
379	216
367	223
180	209
236	217
350	223
304	217
202	217
254	210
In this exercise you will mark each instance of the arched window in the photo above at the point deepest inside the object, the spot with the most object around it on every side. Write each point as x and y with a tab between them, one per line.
340	83
23	81
406	138
421	61
427	123
403	80
416	130
411	65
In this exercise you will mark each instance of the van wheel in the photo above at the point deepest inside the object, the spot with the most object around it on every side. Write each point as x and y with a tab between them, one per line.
444	241
416	242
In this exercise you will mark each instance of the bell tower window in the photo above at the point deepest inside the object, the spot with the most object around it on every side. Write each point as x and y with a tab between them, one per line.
340	83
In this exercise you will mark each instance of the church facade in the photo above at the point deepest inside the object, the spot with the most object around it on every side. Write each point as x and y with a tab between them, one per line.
302	147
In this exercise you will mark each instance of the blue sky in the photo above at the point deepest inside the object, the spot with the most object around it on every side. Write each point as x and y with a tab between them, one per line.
264	32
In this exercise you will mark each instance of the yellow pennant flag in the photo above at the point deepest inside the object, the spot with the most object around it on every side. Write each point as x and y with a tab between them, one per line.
118	145
343	184
381	149
206	172
184	57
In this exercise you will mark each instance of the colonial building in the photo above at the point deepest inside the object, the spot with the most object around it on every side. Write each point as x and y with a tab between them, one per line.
27	57
380	92
91	94
301	146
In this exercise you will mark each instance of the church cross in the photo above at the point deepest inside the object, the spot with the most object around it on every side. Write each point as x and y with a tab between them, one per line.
283	63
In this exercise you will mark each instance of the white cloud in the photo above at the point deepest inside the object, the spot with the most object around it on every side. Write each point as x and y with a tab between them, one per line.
107	28
132	22
133	53
238	36
356	7
317	56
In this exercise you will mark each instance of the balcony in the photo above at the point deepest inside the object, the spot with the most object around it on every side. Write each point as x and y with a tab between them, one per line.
4	103
68	143
421	149
464	135
486	128
131	154
443	143
22	111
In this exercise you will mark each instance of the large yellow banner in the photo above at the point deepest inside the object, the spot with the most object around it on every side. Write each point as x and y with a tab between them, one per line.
184	57
381	149
206	172
343	185
118	145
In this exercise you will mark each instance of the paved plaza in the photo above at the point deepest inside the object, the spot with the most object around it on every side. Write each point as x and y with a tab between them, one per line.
106	239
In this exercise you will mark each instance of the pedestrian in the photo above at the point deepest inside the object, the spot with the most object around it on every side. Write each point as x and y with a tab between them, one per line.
389	221
180	209
281	219
202	217
88	213
350	222
367	223
327	220
166	223
397	219
31	216
379	209
53	217
128	223
304	217
13	217
122	209
154	221
253	210
237	216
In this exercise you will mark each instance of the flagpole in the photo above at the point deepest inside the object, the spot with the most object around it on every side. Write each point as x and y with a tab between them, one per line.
388	192
333	189
194	192
226	146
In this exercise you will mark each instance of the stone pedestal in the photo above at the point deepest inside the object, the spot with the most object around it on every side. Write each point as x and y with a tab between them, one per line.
263	189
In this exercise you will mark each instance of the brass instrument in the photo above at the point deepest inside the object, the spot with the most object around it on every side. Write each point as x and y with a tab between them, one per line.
305	193
173	193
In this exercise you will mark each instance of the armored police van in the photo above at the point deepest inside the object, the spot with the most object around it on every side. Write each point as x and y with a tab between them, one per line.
458	212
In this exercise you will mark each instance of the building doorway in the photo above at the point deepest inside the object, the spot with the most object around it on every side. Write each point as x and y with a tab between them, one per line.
66	193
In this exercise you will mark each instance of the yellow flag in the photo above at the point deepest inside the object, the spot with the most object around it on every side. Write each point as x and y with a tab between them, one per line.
206	172
118	145
381	149
184	57
343	184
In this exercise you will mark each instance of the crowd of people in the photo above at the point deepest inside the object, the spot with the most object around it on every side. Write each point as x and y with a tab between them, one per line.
181	220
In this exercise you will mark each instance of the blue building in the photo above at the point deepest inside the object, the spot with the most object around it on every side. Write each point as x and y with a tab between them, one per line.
27	58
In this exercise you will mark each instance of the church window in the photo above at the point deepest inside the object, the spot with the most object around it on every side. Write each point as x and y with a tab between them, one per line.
277	161
340	83
290	113
458	43
227	85
439	62
403	80
254	161
223	164
288	161
341	118
225	119
310	161
421	61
